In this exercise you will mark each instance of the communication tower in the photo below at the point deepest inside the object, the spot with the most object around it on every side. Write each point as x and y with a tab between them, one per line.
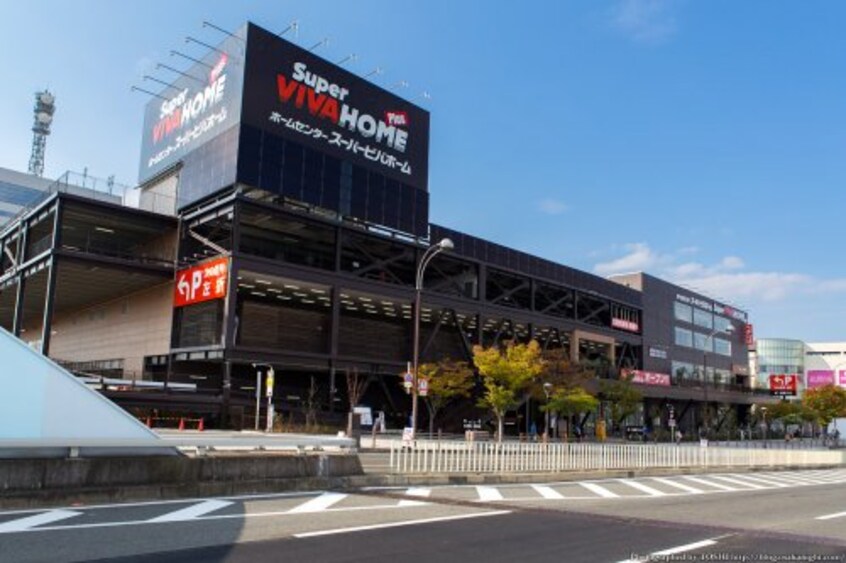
45	106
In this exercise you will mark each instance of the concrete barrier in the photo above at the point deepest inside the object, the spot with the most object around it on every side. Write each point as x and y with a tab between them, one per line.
36	482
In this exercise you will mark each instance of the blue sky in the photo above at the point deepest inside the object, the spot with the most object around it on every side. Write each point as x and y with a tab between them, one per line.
700	141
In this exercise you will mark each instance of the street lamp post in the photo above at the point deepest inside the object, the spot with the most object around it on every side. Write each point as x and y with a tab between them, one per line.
547	388
706	418
258	394
431	252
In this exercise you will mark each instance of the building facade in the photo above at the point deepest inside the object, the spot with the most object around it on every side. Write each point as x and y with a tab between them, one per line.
695	358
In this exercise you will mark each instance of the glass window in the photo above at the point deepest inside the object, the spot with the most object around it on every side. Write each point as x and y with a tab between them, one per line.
703	318
723	376
702	342
682	371
721	324
722	347
683	312
684	337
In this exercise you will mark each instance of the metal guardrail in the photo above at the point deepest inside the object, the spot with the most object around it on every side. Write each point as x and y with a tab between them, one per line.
201	444
492	457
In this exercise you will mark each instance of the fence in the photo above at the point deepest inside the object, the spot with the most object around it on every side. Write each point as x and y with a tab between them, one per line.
490	457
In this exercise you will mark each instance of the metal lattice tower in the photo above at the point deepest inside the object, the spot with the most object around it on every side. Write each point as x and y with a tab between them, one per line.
45	106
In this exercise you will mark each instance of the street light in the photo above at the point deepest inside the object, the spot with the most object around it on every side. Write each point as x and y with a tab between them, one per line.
547	388
431	252
706	419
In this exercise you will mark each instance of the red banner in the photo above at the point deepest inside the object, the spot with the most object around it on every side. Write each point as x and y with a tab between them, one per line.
750	337
783	385
649	377
623	324
202	282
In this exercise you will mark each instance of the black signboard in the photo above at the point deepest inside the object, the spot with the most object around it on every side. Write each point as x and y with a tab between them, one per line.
294	94
201	103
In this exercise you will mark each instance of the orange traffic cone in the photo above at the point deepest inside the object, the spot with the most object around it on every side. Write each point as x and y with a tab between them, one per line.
200	426
181	424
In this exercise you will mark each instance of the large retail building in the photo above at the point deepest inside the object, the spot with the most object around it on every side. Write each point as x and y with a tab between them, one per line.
281	216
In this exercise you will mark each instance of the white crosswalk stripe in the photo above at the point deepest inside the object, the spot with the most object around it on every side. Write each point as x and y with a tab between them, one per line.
766	482
193	511
599	490
645	488
487	494
317	504
740	482
548	492
708	483
29	522
418	493
682	486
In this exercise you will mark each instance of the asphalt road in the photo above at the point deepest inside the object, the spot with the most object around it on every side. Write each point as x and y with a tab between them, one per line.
799	515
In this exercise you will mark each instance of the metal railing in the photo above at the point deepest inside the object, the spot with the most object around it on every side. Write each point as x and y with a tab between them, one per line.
491	457
200	443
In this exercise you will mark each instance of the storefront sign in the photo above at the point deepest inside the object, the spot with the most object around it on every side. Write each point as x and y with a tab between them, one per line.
783	385
659	353
623	324
843	377
819	377
202	282
749	335
649	377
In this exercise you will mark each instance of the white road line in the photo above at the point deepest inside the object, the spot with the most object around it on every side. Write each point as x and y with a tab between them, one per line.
191	512
675	550
681	486
317	504
645	488
24	524
417	492
548	492
398	524
739	482
601	491
831	516
488	494
768	482
708	483
797	479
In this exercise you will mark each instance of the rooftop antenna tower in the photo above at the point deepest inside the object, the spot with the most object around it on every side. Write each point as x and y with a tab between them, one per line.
45	107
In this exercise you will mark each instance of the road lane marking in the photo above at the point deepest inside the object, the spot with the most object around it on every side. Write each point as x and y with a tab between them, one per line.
418	492
681	486
600	490
768	482
738	482
548	492
708	483
798	480
488	494
24	524
317	504
398	524
831	516
644	488
191	512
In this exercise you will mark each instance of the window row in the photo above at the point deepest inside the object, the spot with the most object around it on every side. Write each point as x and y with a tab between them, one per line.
699	341
699	317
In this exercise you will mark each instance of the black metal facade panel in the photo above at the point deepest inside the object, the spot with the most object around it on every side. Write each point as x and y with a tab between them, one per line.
659	325
504	257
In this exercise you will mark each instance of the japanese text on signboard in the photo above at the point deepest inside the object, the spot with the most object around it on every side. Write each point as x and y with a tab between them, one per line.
200	283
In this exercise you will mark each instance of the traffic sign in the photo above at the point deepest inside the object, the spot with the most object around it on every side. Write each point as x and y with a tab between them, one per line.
408	379
268	382
423	387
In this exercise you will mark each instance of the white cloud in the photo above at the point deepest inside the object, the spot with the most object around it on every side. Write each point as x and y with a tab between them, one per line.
639	258
646	21
725	280
552	206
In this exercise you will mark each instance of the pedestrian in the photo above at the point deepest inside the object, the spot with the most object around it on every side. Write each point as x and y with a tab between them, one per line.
533	432
679	437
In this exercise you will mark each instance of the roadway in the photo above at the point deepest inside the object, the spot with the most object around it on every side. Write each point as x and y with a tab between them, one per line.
724	516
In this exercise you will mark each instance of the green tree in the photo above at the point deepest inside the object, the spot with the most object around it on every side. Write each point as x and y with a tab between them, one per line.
506	373
570	401
448	380
560	372
623	397
827	403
